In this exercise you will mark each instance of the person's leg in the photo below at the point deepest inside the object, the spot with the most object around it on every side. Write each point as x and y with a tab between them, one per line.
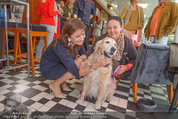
55	85
65	87
2	20
61	23
175	81
87	37
1	66
162	40
39	48
50	30
94	39
0	34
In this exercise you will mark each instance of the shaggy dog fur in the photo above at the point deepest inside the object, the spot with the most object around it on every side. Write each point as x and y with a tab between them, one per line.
99	83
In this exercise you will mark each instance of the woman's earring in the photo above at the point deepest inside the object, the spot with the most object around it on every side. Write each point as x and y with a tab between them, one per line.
69	42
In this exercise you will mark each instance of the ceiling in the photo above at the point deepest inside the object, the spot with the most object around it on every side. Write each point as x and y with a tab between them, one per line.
122	3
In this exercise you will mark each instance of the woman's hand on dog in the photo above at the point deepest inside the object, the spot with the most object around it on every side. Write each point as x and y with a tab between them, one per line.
78	62
100	62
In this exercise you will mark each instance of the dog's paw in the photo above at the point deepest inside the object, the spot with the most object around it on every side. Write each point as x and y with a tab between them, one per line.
97	106
79	101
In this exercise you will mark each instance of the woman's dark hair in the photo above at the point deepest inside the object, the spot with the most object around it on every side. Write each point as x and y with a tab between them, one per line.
115	18
68	29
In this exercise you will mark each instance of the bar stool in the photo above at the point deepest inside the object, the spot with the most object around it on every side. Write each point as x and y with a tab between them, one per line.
35	30
33	35
11	25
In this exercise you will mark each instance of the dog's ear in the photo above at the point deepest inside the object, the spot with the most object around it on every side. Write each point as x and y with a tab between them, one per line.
97	48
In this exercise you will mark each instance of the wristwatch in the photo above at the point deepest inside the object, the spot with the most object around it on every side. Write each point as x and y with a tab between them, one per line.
91	68
82	58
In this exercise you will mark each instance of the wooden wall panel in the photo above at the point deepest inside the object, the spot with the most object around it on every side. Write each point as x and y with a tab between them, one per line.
34	18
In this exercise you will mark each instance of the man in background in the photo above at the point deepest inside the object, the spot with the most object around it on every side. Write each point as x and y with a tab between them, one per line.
163	21
85	10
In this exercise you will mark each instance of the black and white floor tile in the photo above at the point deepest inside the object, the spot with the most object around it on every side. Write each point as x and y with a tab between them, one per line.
43	105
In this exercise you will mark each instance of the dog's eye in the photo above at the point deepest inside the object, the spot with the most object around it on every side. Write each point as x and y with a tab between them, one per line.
107	42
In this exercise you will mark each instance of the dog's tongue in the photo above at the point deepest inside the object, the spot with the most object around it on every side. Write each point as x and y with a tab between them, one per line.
110	54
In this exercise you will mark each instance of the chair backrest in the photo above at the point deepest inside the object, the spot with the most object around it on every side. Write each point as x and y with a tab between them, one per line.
151	65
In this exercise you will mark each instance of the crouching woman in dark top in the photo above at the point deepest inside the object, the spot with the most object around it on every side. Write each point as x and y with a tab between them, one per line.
59	62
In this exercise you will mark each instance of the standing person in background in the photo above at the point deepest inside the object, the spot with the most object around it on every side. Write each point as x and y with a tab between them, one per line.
2	20
134	18
85	10
97	30
163	21
62	4
68	11
57	7
60	15
48	12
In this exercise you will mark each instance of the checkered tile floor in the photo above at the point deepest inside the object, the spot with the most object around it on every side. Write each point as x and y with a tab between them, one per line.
36	95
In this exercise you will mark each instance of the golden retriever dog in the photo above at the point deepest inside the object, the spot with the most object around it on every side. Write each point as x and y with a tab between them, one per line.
99	83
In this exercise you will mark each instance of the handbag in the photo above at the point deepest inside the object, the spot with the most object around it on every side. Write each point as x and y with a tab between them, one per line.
125	15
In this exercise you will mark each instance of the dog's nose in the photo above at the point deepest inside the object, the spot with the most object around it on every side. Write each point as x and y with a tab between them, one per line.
113	49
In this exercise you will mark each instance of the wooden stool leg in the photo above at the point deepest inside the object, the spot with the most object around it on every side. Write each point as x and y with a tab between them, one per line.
34	40
170	92
174	92
16	45
46	41
32	56
19	50
134	88
119	78
2	41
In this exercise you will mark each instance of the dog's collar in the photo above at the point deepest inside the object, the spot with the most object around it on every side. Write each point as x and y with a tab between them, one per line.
107	65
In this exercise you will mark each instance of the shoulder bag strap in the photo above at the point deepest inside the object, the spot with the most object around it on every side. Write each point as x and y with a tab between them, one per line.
126	15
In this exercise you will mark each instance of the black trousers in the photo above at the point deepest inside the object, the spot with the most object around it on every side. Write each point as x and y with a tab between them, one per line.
87	37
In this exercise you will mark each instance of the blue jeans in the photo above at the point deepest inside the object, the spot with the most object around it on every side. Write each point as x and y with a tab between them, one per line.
2	20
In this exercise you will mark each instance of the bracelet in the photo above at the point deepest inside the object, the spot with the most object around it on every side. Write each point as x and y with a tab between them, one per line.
128	68
82	58
91	68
